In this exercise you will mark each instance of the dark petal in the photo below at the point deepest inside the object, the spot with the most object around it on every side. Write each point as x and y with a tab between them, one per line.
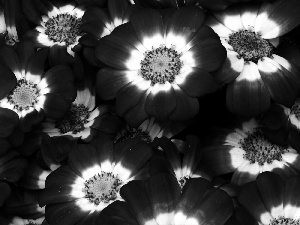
34	35
128	96
5	192
192	155
67	90
250	198
99	3
59	187
88	40
185	22
9	58
289	52
31	119
94	14
186	106
104	149
275	117
107	123
57	74
137	114
247	95
8	120
7	81
293	137
67	213
31	12
215	5
58	55
117	8
278	81
161	101
95	30
163	192
159	164
279	137
84	157
196	82
134	193
5	145
292	198
243	217
35	64
110	81
24	50
89	54
214	208
55	106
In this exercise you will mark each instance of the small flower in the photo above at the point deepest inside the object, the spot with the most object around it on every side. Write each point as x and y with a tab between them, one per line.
254	73
158	74
92	179
270	200
246	152
27	91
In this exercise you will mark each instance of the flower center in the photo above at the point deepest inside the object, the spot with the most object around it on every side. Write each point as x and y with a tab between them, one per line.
259	149
102	188
250	45
284	221
295	110
161	65
11	40
63	28
182	180
74	120
24	95
134	133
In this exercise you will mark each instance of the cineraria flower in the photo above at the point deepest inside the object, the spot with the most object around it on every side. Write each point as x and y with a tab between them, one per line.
246	152
27	90
271	201
60	26
16	220
83	120
254	73
158	67
162	4
78	192
282	124
99	22
161	202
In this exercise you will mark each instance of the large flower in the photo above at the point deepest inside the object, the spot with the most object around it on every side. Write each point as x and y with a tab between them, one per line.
271	201
246	152
27	91
254	73
161	202
78	192
159	65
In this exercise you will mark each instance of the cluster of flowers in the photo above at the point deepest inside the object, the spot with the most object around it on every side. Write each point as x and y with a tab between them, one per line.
100	119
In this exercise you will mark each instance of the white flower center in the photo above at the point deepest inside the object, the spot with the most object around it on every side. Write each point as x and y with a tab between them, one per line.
102	188
161	65
24	95
63	28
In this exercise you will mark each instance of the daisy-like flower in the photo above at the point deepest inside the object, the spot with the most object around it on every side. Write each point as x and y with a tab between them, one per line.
83	120
28	91
60	26
161	202
252	70
16	220
158	67
162	4
271	201
282	124
99	22
92	180
246	152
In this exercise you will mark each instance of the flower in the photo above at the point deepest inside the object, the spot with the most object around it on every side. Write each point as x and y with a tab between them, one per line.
27	91
246	152
98	22
255	75
160	201
92	179
162	4
270	200
282	124
83	120
158	67
60	26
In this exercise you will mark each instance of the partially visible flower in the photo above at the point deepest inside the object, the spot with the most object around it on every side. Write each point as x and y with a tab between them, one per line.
28	91
246	152
99	22
159	65
83	120
163	4
254	73
160	201
92	179
271	201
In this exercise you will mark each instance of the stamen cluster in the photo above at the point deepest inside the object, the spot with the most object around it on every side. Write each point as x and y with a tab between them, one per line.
74	120
63	28
285	221
259	149
102	188
295	110
161	65
134	133
250	46
182	181
24	95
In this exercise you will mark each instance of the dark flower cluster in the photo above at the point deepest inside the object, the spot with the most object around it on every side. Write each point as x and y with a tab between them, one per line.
149	112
